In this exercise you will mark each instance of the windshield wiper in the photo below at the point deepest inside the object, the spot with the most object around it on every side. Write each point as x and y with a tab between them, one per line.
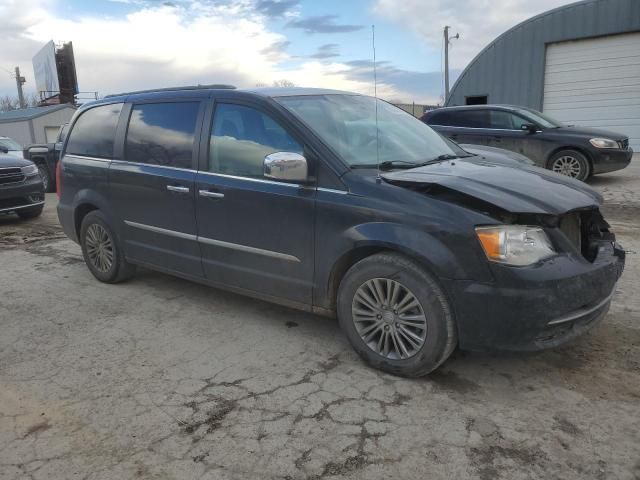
404	164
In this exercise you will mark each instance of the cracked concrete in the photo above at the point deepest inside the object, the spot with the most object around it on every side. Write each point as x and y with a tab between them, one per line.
162	378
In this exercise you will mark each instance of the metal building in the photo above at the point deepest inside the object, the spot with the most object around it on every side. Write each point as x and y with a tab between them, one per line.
35	125
579	63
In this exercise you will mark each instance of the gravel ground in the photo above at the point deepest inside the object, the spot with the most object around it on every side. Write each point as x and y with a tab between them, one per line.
161	378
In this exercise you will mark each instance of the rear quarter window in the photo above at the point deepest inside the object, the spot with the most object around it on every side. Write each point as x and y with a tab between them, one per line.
445	118
93	134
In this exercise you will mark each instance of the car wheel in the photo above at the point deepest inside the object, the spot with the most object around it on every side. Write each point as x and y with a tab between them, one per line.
46	178
27	213
396	316
101	250
570	163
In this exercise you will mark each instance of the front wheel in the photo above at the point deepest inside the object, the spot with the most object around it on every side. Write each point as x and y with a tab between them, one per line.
47	182
396	316
101	250
570	163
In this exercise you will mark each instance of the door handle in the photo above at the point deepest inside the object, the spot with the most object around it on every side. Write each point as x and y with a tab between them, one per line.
209	194
178	189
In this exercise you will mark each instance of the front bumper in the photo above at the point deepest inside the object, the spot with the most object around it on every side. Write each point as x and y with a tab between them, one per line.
611	160
26	194
534	308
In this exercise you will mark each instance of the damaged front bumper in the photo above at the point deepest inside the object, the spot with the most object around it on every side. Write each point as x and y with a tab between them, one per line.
537	307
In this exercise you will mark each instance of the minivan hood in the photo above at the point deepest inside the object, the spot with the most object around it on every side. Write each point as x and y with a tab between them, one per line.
523	189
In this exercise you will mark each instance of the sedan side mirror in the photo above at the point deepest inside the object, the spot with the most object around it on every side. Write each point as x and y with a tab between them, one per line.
4	150
529	127
286	166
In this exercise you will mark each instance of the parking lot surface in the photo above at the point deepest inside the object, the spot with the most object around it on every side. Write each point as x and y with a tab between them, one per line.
162	378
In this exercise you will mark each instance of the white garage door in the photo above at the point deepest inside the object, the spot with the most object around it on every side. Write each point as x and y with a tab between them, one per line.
596	83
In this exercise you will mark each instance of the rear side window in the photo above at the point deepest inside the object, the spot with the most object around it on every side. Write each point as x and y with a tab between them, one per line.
162	134
94	132
240	139
474	119
445	118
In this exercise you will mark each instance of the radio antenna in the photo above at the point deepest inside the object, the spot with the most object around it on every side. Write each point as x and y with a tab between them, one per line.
375	94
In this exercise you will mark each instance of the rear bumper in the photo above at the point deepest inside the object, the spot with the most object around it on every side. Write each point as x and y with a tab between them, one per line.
611	160
26	194
538	307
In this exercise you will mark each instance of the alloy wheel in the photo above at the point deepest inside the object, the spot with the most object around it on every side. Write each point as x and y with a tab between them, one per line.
567	165
99	247
389	318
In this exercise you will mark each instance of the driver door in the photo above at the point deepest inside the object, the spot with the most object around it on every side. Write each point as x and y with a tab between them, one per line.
255	234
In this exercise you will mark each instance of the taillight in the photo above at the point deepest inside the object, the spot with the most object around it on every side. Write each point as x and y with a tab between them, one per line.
58	177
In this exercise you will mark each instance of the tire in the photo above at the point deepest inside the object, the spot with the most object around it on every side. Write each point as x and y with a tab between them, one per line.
102	251
47	182
390	270
28	213
570	163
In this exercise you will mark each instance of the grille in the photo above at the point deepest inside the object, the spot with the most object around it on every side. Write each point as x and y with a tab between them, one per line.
623	144
11	175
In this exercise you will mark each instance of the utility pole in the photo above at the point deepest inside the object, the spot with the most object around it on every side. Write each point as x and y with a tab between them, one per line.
19	82
447	41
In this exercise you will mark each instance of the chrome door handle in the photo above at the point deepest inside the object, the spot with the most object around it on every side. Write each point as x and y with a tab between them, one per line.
174	188
207	193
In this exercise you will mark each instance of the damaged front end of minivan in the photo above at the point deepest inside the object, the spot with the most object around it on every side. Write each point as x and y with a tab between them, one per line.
553	259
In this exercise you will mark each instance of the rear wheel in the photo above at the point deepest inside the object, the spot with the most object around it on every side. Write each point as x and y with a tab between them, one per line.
570	163
101	250
396	316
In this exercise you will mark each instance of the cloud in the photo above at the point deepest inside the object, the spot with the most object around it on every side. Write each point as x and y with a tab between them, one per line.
322	24
478	21
184	44
328	50
408	85
276	8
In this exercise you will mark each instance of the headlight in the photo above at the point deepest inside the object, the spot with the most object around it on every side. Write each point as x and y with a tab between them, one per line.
517	245
604	143
30	170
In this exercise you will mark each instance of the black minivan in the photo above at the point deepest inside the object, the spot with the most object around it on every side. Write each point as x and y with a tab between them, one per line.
577	152
339	204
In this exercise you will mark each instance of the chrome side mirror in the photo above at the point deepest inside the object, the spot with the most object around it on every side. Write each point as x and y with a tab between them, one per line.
286	166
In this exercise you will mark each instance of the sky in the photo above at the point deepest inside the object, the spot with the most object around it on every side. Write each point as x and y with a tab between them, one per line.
124	45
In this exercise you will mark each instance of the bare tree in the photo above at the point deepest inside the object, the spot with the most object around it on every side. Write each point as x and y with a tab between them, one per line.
8	102
283	83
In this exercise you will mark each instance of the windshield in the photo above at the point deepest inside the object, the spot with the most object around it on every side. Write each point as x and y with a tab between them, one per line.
10	144
347	124
540	118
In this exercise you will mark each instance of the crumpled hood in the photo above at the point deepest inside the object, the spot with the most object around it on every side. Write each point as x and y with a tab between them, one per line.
523	189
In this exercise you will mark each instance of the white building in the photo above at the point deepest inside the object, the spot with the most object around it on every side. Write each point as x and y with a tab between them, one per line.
36	124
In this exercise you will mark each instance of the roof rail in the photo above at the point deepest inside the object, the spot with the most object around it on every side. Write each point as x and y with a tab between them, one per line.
174	89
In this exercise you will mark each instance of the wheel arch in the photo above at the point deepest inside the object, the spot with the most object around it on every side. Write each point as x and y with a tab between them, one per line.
87	201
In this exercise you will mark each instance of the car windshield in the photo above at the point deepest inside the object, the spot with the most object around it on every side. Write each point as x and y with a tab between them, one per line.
10	144
540	118
347	124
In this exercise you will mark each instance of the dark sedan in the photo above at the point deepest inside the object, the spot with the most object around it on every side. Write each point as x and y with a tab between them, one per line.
574	151
21	189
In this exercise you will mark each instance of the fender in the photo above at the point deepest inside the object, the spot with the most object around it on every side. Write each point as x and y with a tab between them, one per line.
85	197
427	248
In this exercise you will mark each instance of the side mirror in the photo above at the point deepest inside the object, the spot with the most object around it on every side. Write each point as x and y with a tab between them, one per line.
286	166
4	149
529	127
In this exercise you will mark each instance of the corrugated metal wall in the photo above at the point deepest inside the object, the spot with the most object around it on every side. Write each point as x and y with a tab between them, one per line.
511	69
